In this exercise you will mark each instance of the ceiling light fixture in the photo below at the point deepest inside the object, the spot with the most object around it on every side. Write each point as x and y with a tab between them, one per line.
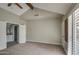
36	13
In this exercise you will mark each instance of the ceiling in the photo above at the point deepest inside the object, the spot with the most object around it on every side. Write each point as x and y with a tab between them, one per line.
14	8
37	14
60	8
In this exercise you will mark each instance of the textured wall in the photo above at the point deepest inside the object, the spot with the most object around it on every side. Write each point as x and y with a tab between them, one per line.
44	30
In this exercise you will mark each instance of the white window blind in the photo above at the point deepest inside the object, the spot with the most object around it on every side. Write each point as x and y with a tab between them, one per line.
76	31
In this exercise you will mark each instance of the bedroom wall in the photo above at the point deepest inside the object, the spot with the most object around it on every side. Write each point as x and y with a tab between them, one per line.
2	35
8	17
44	31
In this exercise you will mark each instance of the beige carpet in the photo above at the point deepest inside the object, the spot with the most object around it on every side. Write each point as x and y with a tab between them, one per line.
32	48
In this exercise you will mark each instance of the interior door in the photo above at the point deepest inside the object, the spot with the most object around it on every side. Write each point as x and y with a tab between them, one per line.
22	33
66	35
3	41
66	30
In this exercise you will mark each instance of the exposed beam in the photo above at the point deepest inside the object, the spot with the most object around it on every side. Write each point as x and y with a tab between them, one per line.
19	5
30	5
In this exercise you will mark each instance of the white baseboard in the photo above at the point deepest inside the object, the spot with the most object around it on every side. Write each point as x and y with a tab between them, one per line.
44	42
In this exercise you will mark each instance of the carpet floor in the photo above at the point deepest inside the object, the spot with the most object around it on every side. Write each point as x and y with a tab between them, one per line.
33	48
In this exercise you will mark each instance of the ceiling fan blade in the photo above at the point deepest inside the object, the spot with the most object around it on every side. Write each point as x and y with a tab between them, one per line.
30	5
19	5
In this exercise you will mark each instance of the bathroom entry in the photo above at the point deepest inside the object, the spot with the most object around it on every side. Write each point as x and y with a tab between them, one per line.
12	32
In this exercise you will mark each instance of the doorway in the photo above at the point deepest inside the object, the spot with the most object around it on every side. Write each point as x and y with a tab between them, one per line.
12	34
66	30
16	33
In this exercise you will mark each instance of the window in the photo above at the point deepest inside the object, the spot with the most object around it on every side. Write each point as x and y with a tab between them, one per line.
76	31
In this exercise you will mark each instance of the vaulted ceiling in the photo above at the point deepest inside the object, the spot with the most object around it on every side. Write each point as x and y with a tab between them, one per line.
60	8
38	13
14	8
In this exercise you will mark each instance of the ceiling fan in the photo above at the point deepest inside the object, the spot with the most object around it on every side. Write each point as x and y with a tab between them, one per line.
28	4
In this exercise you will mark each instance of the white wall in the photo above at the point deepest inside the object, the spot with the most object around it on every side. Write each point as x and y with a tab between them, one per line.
67	45
44	31
9	18
2	35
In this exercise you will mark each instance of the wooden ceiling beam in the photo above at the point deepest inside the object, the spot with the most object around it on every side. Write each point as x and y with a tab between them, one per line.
19	6
30	5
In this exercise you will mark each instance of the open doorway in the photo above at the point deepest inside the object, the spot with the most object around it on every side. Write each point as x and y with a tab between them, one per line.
12	34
